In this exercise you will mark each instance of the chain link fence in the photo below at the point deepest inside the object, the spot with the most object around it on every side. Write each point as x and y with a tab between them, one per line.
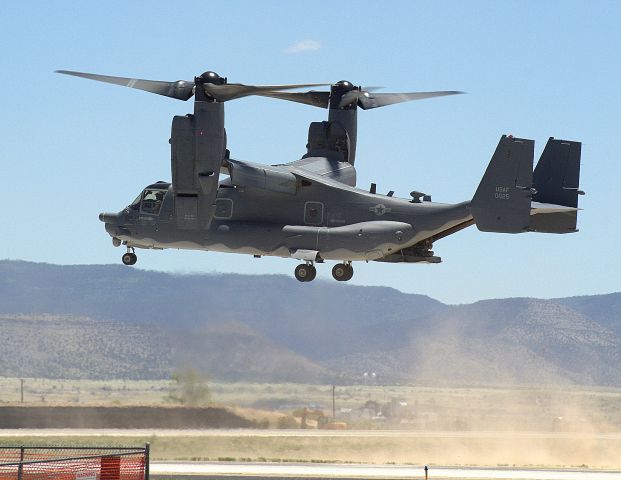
74	463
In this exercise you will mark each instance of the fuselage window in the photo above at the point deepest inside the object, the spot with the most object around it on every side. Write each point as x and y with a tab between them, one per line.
313	213
152	201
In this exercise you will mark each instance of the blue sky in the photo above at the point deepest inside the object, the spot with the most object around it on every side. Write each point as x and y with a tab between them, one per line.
73	148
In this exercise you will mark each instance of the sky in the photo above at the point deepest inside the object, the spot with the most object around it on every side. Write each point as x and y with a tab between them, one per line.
73	148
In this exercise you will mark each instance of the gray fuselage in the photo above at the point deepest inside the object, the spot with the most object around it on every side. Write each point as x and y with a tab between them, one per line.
338	221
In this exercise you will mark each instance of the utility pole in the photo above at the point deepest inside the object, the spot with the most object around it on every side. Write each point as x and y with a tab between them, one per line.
21	381
333	403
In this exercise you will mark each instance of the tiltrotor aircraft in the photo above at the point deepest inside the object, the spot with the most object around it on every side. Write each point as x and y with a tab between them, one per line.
310	209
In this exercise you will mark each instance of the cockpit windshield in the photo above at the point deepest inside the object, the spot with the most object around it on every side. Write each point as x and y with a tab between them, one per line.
135	205
151	201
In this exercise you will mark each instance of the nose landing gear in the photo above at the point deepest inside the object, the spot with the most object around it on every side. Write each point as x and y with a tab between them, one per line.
342	272
130	257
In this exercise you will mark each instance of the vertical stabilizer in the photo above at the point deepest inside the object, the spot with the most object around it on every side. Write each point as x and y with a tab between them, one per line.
502	201
557	173
556	180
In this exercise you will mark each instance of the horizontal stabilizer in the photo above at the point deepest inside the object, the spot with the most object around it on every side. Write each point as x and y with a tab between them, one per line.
537	207
557	222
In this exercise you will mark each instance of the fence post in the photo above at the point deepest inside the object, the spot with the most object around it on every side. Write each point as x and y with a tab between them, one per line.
147	454
20	468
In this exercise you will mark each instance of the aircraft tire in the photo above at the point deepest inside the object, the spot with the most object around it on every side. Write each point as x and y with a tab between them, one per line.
305	273
129	258
339	272
342	272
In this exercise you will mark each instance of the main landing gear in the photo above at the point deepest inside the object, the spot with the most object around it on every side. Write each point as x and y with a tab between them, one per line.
130	257
342	272
306	272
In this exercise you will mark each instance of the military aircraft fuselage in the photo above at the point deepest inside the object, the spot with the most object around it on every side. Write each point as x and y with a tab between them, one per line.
332	221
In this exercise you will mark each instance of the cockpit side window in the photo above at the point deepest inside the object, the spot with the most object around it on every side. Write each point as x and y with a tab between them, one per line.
152	201
135	205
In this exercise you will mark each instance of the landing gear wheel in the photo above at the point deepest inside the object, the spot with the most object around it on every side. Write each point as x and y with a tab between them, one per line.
305	273
342	272
339	272
129	258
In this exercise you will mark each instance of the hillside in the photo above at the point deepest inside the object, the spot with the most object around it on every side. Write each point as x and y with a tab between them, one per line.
66	346
114	321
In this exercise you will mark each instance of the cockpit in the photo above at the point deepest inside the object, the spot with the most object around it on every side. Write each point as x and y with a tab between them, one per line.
150	199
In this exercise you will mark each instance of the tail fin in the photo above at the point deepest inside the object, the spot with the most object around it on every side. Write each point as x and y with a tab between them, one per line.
556	180
503	200
557	173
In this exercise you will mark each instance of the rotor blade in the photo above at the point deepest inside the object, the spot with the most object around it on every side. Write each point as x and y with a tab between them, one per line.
313	98
181	89
367	100
231	91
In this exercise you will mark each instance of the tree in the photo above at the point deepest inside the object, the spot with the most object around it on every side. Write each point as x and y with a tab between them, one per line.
189	387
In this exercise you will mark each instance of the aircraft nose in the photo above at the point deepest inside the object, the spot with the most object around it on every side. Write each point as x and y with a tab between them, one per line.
111	218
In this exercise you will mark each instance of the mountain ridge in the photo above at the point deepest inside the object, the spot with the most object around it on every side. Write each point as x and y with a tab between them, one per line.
271	328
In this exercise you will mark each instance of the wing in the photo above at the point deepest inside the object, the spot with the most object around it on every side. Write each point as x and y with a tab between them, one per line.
327	168
287	178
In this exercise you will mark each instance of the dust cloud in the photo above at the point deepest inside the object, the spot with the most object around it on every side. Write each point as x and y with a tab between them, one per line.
497	403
